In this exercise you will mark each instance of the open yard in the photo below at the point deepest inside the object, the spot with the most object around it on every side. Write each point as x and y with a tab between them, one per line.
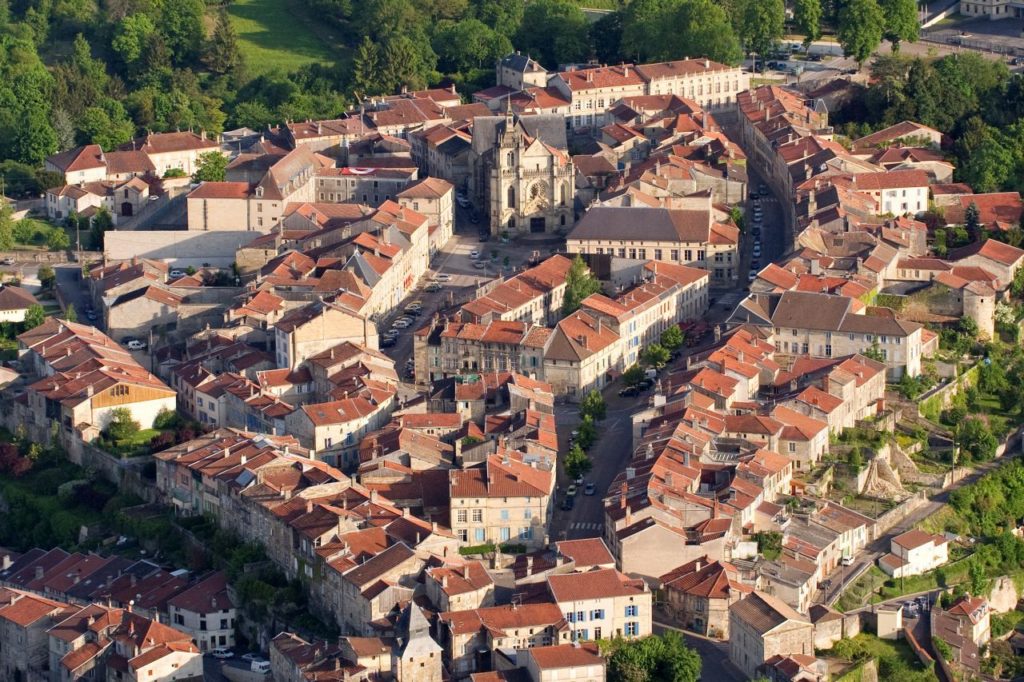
282	34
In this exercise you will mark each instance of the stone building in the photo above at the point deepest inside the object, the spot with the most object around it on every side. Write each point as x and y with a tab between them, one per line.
760	627
521	173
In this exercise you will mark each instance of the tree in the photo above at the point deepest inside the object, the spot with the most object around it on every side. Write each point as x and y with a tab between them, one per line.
861	24
57	240
34	316
977	581
579	283
672	338
587	432
71	315
101	222
972	219
122	427
554	31
504	16
223	55
762	24
576	462
664	658
107	125
366	68
131	36
634	374
901	21
976	440
468	44
181	24
874	352
655	355
672	29
6	227
46	276
212	167
593	405
807	15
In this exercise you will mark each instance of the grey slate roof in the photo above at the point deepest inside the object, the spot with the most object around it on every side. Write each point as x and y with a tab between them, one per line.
653	224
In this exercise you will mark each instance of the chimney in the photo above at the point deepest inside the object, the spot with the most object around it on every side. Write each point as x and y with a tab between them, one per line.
598	325
373	496
405	512
444	582
529	565
707	63
630	473
39	572
309	506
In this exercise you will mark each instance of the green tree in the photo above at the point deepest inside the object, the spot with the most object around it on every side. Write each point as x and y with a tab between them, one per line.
972	218
664	658
223	55
634	374
697	27
672	338
107	125
504	16
34	316
101	222
642	26
122	427
406	62
861	24
807	15
181	23
46	276
874	352
468	44
587	432
212	167
656	356
57	240
762	24
593	405
579	283
976	440
366	68
901	22
977	581
71	315
576	462
6	227
554	32
255	115
131	36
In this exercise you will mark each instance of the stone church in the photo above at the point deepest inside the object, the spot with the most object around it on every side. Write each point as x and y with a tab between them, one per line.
522	174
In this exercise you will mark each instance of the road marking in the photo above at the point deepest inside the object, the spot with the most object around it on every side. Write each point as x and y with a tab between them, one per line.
584	525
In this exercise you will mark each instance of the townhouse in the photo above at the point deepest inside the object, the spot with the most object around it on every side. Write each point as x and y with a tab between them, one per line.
913	553
317	326
85	376
332	430
506	499
686	236
965	627
824	325
699	594
24	621
760	627
206	612
602	603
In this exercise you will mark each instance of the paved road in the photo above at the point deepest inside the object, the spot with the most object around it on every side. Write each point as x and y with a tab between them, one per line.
74	290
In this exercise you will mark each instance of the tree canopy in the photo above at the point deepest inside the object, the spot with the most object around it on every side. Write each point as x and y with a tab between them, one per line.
579	283
861	25
653	659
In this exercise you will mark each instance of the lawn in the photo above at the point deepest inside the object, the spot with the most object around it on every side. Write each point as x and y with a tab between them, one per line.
282	34
131	447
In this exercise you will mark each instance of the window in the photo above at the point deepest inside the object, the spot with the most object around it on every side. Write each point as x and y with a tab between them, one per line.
657	254
805	349
460	516
463	535
504	514
632	611
478	515
700	255
478	535
688	255
583	634
528	513
675	254
792	447
597	614
328	442
505	534
597	633
828	350
570	617
632	629
223	623
581	616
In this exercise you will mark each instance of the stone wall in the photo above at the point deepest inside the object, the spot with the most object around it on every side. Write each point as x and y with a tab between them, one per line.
180	248
900	512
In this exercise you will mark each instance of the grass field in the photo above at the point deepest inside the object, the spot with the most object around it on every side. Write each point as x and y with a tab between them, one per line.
282	34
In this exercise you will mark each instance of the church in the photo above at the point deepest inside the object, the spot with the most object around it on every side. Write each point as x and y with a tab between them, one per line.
521	173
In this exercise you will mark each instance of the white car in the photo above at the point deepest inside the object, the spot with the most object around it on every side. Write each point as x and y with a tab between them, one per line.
135	344
176	274
221	652
252	657
443	277
752	276
757	251
400	324
474	254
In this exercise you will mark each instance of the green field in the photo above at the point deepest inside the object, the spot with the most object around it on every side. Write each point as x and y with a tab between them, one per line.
282	34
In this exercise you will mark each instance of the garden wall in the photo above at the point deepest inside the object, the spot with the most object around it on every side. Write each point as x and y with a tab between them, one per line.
933	402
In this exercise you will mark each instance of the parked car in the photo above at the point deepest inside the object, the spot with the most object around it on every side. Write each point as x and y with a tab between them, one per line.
646	384
176	274
474	254
757	251
567	504
136	345
400	324
756	231
222	652
589	489
629	392
571	491
484	237
433	286
128	339
252	657
847	561
387	341
443	277
752	275
91	315
479	264
9	261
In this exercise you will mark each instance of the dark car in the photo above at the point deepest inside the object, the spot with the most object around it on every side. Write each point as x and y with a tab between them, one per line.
756	232
629	392
646	384
484	237
567	503
387	341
